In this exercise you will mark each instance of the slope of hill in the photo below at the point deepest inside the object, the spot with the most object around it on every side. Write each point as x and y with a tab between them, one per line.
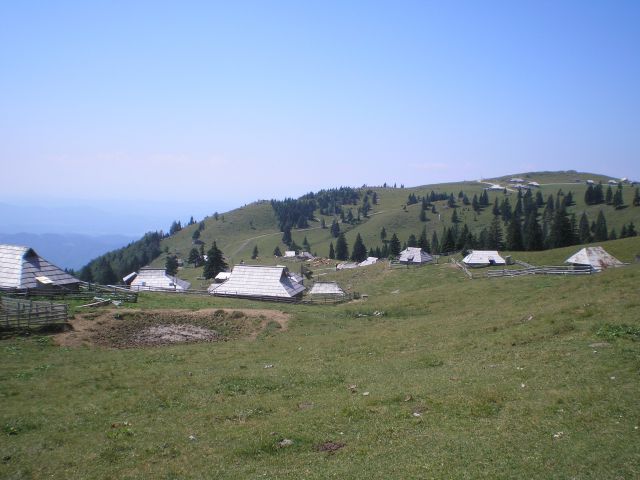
457	378
237	232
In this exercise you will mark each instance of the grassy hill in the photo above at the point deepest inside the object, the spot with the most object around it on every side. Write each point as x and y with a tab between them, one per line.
256	225
458	378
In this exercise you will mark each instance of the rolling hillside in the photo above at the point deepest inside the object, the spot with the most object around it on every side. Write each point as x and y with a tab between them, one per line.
237	232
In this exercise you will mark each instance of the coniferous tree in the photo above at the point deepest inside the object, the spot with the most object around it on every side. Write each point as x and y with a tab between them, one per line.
335	228
505	210
601	234
561	234
584	233
514	234
323	223
618	202
332	252
342	249
215	262
194	257
636	198
286	236
465	200
532	233
374	198
171	265
631	230
608	198
423	241
598	194
277	252
449	242
412	241
305	244
494	238
255	252
423	215
475	204
454	217
435	244
613	235
383	234
196	234
359	252
394	245
496	208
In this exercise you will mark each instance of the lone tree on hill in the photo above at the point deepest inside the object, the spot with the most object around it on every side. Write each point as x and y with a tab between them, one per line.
254	254
359	252
277	252
215	262
171	265
342	249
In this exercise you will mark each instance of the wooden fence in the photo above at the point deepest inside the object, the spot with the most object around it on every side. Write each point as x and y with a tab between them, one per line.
85	291
462	267
545	270
20	313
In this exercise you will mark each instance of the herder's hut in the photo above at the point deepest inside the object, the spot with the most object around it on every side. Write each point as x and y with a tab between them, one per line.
157	280
257	281
368	261
326	289
22	268
483	258
289	254
414	256
596	257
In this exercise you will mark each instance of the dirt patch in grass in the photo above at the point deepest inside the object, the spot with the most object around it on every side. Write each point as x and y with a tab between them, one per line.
330	446
138	328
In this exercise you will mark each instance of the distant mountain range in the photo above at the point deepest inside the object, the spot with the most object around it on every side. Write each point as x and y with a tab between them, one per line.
68	250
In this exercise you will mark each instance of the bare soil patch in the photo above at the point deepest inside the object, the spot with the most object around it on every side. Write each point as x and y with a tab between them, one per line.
330	446
139	328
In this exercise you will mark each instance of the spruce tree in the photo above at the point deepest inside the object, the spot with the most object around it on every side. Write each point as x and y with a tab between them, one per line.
636	198
215	262
277	252
514	234
532	233
383	234
412	241
584	233
342	249
608	196
171	265
454	217
332	252
194	257
423	215
286	236
335	228
435	244
631	230
323	224
495	239
601	234
449	243
359	252
254	254
423	241
394	245
618	202
561	234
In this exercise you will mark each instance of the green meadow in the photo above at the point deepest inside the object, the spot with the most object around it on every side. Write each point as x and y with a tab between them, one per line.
432	376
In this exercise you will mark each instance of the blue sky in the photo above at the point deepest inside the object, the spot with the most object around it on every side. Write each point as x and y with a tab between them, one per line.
224	103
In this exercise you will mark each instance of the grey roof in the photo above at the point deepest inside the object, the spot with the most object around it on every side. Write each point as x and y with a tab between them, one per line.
346	265
259	281
19	267
296	277
414	255
368	261
326	288
305	256
157	279
597	257
484	257
129	278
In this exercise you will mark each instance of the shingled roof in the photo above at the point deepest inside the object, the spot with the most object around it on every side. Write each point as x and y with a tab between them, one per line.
596	257
260	281
414	255
21	267
156	279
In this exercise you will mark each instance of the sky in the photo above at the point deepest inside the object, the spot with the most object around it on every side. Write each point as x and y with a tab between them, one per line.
210	105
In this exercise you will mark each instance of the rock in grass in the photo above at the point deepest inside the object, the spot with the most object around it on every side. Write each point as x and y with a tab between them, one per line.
285	442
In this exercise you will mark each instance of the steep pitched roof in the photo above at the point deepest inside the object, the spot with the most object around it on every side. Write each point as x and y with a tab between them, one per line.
414	255
21	266
259	281
597	257
157	279
484	257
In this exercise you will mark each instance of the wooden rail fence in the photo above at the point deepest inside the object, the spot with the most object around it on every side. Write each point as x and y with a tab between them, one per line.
545	270
462	267
19	313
